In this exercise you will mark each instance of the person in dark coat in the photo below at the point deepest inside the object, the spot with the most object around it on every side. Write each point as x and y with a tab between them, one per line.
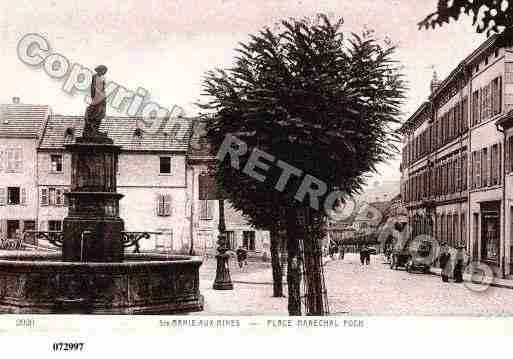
445	258
241	256
363	255
341	251
458	267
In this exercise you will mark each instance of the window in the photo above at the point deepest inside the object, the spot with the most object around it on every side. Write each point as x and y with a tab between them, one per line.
475	108
165	165
464	114
494	164
465	169
484	167
163	205
497	95
508	86
449	230
490	235
205	209
13	229
463	228
509	154
230	239
55	226
14	158
457	176
455	231
13	195
248	240
477	169
52	196
56	163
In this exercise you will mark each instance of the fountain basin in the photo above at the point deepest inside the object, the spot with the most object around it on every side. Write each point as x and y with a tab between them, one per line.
142	284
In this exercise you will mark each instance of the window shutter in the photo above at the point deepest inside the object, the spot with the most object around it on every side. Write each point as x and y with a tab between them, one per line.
18	157
210	213
499	164
65	199
58	197
23	199
44	196
478	169
157	204
3	192
172	165
167	205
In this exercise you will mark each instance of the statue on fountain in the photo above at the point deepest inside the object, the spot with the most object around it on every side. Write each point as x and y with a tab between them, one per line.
95	112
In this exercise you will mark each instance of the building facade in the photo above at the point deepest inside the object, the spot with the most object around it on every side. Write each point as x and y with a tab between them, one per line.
21	129
205	213
157	174
452	162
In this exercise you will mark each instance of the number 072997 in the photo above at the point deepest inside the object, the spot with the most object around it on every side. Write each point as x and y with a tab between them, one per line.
58	347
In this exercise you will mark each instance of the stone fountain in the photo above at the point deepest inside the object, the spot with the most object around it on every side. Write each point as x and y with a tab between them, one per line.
93	274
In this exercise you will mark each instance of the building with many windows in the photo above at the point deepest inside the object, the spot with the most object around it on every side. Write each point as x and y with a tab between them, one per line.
157	174
21	129
151	176
453	156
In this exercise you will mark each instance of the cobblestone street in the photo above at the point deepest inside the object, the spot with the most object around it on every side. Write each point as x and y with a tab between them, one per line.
357	290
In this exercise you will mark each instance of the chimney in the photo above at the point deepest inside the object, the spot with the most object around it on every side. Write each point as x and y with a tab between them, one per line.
435	83
16	100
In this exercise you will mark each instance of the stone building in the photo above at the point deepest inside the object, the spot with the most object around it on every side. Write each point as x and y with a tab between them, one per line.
21	128
151	175
205	213
157	174
451	171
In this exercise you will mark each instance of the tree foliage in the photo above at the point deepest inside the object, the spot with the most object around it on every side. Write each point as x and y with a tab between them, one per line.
312	98
492	16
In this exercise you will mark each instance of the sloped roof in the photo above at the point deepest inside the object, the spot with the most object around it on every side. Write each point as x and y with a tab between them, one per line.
174	136
23	120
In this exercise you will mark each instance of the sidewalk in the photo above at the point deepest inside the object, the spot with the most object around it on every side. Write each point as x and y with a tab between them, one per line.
251	294
493	281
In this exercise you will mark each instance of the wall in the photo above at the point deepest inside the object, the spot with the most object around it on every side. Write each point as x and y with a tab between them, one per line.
25	179
205	231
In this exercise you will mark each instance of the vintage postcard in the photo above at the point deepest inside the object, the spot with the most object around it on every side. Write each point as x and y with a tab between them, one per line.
190	169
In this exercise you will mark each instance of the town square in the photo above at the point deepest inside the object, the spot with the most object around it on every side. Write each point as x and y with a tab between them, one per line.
286	159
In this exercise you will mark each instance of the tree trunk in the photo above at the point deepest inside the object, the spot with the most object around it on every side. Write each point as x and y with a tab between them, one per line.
293	268
315	290
276	263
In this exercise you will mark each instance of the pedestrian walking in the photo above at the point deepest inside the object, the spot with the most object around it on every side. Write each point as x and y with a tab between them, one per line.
363	255
445	262
458	267
341	251
367	255
241	256
333	249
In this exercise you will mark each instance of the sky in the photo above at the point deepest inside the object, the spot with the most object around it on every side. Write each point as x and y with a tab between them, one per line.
166	46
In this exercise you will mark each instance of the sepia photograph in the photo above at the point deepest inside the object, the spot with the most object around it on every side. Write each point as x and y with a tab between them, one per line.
274	164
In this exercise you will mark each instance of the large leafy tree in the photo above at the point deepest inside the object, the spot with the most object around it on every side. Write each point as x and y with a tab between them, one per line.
316	100
490	16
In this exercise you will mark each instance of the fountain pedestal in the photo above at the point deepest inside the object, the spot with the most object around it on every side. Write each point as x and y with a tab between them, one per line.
92	229
93	275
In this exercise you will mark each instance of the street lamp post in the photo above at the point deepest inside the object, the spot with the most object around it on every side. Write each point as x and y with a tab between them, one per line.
223	280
